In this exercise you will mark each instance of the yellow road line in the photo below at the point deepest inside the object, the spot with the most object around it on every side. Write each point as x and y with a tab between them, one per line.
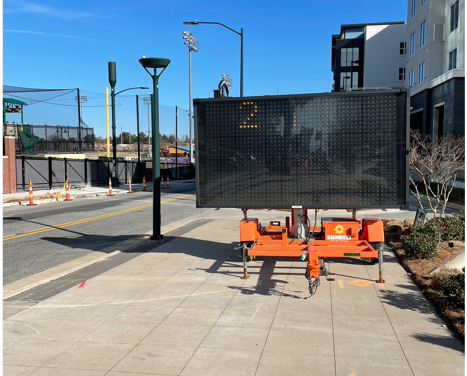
80	221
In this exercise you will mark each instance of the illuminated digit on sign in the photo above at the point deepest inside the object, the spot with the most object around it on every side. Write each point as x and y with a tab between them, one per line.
249	116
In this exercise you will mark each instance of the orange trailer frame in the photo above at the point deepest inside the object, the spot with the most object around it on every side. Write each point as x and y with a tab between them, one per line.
343	237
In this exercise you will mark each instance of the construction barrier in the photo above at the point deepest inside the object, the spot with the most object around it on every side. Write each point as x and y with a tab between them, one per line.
67	190
110	188
31	202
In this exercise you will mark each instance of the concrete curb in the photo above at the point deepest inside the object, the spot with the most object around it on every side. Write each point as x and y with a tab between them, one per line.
457	262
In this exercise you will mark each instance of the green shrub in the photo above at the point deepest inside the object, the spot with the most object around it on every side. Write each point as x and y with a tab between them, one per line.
461	215
444	228
453	286
418	244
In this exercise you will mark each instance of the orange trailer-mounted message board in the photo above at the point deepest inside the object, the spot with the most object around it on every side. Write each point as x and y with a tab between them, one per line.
330	150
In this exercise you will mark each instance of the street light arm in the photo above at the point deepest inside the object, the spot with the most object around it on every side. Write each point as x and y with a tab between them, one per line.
212	23
132	88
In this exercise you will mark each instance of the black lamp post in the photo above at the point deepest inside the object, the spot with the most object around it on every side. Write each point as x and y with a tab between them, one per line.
344	83
351	73
155	63
113	81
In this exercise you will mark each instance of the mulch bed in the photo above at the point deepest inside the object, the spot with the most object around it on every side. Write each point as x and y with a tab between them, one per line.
419	269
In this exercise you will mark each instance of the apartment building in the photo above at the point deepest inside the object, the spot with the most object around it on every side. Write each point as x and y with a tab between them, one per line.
436	66
369	56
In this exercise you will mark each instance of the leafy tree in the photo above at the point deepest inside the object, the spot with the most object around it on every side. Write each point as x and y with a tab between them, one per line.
88	138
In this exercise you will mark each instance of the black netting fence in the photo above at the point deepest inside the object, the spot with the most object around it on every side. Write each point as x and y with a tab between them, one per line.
39	139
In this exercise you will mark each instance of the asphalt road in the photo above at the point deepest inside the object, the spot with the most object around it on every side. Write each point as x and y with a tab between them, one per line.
82	226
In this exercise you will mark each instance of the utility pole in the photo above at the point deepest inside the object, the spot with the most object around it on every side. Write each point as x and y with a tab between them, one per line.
137	127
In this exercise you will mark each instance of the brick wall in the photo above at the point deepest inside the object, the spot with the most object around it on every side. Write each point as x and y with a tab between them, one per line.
9	165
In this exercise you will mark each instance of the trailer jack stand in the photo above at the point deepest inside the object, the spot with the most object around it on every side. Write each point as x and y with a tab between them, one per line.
245	259
380	280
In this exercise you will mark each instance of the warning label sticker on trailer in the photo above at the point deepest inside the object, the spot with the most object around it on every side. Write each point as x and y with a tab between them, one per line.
338	237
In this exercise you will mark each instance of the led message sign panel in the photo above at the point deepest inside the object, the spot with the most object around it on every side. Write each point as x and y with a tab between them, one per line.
331	150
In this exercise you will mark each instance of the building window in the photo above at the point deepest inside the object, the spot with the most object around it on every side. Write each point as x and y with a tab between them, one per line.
422	33
454	16
423	2
354	32
413	8
421	72
349	55
411	78
453	59
402	48
401	74
412	44
354	81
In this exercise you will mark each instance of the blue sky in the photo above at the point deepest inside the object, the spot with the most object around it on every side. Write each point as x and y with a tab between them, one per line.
287	50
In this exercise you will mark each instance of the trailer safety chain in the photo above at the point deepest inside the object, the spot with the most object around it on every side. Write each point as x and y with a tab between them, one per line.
313	283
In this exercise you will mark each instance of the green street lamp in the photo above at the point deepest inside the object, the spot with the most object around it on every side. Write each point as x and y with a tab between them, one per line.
155	63
241	46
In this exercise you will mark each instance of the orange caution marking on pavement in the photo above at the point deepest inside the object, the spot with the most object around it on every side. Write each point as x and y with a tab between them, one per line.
340	284
381	285
81	285
360	283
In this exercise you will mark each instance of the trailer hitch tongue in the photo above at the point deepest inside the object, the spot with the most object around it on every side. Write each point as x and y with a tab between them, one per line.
313	283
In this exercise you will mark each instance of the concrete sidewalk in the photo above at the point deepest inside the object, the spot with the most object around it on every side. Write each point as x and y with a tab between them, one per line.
180	308
50	195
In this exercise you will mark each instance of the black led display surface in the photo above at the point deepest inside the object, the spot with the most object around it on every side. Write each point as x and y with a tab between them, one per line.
332	150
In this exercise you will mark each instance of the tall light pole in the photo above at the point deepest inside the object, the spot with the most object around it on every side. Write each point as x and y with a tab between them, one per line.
191	43
147	101
155	63
241	46
112	82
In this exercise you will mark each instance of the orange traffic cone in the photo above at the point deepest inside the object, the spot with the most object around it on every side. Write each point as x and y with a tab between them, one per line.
167	181
30	194
162	182
144	183
129	185
67	195
110	188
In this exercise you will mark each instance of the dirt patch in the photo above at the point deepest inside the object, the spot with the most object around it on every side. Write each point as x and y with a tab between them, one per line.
420	269
47	196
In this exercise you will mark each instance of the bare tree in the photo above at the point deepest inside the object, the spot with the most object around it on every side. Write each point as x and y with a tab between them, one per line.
439	162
